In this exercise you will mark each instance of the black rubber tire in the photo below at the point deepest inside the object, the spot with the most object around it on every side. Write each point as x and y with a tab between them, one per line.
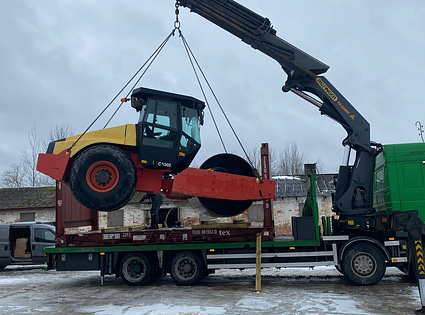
124	180
135	269
363	264
187	268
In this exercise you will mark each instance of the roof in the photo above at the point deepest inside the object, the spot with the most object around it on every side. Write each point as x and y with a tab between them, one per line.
294	186
27	197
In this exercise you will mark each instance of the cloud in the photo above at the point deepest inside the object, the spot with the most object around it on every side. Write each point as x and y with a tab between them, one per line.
62	62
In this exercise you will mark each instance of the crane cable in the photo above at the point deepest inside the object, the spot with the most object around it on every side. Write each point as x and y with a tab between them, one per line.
148	62
190	56
187	48
202	89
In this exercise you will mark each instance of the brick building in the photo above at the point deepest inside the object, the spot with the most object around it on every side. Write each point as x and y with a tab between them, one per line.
38	204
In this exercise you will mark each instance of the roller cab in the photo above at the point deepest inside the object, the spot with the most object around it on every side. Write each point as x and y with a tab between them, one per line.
168	132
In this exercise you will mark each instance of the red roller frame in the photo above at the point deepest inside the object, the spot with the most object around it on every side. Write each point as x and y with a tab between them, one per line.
188	183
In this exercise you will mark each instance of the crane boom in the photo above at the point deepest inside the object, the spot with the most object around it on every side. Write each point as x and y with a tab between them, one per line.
354	188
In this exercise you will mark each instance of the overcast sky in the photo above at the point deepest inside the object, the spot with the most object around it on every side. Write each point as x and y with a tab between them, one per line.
63	61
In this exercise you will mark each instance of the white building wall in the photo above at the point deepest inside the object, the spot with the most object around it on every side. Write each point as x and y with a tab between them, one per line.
138	214
41	215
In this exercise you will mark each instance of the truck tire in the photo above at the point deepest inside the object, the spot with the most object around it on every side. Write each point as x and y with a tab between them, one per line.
135	269
363	264
187	268
103	178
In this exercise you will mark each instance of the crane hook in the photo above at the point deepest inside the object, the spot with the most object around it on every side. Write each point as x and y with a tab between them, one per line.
177	22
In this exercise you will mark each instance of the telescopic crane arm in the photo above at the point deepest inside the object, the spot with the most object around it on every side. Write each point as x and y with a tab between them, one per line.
354	188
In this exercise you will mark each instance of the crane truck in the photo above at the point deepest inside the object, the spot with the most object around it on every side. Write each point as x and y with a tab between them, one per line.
378	203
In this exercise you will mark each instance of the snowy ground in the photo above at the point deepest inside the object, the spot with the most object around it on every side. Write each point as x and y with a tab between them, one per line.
29	290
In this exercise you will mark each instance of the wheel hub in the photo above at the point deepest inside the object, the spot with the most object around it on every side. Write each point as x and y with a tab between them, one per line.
187	268
364	265
135	270
102	176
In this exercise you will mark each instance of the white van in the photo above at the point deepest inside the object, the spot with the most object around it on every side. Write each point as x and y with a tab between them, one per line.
23	243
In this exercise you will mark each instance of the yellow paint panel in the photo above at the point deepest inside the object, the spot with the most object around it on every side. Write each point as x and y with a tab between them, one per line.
125	135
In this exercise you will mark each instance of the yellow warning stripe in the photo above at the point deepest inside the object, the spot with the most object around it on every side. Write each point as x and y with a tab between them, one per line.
420	255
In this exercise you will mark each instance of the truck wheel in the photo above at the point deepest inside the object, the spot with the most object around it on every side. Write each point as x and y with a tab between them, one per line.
103	178
186	268
135	269
363	264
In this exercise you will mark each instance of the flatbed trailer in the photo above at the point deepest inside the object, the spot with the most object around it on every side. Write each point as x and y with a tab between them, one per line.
191	253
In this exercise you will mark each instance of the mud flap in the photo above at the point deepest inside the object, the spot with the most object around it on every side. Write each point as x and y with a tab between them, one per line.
415	228
418	262
410	222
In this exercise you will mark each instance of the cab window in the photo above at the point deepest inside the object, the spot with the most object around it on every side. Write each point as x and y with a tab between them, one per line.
190	123
44	235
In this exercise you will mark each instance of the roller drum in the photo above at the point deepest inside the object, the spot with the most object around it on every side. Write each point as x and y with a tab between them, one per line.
233	164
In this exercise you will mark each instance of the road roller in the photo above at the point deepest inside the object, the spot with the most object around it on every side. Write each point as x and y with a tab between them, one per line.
105	167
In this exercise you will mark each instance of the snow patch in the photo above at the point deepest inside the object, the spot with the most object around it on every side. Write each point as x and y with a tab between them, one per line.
13	280
331	304
154	309
286	177
256	303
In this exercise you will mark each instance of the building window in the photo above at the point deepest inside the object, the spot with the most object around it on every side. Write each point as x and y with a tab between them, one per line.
27	217
116	218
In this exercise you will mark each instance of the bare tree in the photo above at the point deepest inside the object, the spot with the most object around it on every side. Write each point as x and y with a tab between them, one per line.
29	158
255	157
291	160
57	132
319	166
25	173
13	177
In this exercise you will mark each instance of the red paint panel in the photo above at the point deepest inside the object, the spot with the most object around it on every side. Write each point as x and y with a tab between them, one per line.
210	184
53	165
149	180
70	213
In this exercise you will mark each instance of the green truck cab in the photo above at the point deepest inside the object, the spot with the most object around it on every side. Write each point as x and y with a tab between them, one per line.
399	179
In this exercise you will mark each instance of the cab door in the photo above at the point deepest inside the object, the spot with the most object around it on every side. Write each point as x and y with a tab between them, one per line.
43	237
158	133
4	245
